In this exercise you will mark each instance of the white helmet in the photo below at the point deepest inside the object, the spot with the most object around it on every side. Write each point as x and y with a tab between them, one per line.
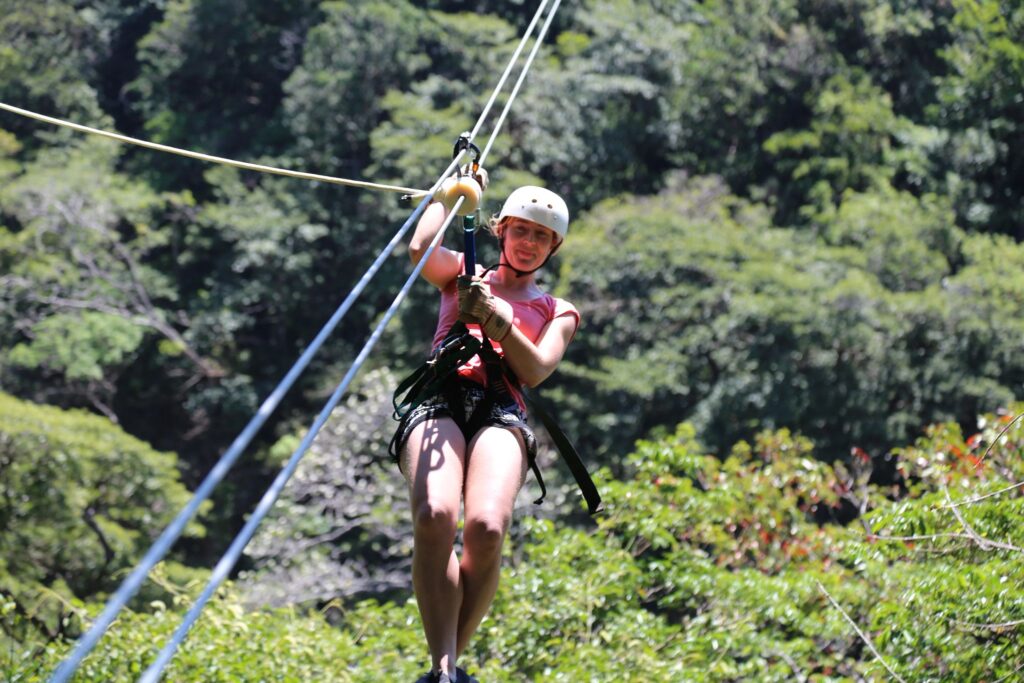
540	206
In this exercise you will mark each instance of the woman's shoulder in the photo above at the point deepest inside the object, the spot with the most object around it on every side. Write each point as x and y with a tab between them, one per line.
558	307
565	310
560	304
564	307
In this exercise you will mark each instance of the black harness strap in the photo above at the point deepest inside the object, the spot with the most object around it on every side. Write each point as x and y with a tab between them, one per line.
498	372
569	454
430	378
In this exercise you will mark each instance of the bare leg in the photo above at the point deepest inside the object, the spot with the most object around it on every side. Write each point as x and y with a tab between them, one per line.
496	470
433	463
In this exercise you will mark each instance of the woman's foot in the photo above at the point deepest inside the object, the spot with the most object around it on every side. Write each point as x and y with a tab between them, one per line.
442	677
464	677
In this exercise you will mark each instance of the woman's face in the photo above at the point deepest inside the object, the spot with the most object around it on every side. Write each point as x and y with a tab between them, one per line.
527	244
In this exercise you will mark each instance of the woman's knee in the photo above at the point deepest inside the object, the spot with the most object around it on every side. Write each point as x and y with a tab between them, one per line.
434	522
483	535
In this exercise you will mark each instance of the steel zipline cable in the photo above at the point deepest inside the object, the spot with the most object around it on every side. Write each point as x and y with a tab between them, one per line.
519	81
162	545
512	60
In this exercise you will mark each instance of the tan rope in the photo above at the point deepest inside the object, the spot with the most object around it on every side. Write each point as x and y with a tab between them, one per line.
210	158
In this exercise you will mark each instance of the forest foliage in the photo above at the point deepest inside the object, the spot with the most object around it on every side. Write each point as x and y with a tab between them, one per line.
705	568
796	230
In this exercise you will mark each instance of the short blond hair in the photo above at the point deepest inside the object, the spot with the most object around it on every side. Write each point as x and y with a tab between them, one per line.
494	223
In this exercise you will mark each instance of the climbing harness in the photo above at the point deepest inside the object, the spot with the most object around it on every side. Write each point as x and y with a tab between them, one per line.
438	375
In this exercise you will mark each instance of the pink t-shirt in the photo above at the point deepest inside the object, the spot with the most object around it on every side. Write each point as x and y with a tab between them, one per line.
529	316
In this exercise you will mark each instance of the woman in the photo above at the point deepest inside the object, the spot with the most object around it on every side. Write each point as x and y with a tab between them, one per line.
442	464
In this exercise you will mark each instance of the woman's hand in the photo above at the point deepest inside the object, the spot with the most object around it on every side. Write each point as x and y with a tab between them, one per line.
478	305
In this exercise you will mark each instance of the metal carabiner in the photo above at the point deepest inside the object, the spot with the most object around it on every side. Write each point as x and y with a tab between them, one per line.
464	143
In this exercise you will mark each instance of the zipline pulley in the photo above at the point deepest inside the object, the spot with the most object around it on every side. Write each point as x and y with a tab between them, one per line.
469	218
467	183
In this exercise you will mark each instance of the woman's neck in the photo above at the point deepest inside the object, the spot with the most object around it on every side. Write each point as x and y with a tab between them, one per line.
509	281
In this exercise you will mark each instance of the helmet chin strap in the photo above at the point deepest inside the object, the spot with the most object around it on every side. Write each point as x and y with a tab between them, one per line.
503	261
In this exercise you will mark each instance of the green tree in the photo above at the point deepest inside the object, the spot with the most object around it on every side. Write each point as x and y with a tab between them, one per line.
210	78
78	259
49	52
855	142
81	501
743	71
854	338
358	53
981	108
897	42
591	120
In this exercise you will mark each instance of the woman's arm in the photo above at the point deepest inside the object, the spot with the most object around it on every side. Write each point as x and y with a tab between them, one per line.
534	363
443	265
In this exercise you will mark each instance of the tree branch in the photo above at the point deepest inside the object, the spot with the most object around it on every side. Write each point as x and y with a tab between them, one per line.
207	367
999	628
983	543
801	677
332	535
101	405
88	515
860	633
920	537
971	501
996	440
1009	675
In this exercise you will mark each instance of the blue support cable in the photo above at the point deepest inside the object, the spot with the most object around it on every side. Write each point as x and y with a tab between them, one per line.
130	586
230	558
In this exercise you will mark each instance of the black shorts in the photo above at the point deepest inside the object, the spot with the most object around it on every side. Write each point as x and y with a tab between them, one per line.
508	416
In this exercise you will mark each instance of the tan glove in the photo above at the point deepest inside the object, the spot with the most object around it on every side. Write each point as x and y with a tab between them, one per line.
478	305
